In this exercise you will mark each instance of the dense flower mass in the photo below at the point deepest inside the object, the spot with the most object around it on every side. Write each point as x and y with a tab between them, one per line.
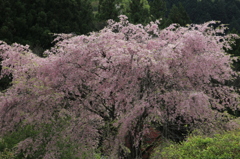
95	90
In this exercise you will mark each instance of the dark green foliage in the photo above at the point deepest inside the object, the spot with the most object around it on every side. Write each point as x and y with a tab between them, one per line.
138	13
200	11
158	9
107	10
221	146
9	141
67	149
235	50
218	11
33	22
178	15
5	83
226	11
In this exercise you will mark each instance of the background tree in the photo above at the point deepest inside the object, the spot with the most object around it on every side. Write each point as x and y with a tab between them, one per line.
33	23
139	11
178	15
218	11
232	10
158	9
205	16
107	9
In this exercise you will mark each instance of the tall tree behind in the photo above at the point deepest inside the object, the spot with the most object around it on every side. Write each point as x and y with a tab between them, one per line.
218	11
158	9
195	10
178	15
139	12
107	9
233	12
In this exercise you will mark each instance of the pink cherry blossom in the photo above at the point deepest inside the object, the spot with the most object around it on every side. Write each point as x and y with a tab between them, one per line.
96	90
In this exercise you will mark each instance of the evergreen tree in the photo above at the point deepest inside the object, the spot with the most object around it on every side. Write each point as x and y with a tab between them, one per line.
6	21
178	15
199	11
218	11
33	22
192	9
139	11
233	12
107	9
158	9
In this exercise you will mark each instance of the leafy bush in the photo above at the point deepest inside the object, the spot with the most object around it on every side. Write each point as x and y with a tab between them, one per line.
9	141
18	145
221	146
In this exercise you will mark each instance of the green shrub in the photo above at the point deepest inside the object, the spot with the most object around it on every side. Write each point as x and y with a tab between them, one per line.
221	146
10	140
7	154
66	148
